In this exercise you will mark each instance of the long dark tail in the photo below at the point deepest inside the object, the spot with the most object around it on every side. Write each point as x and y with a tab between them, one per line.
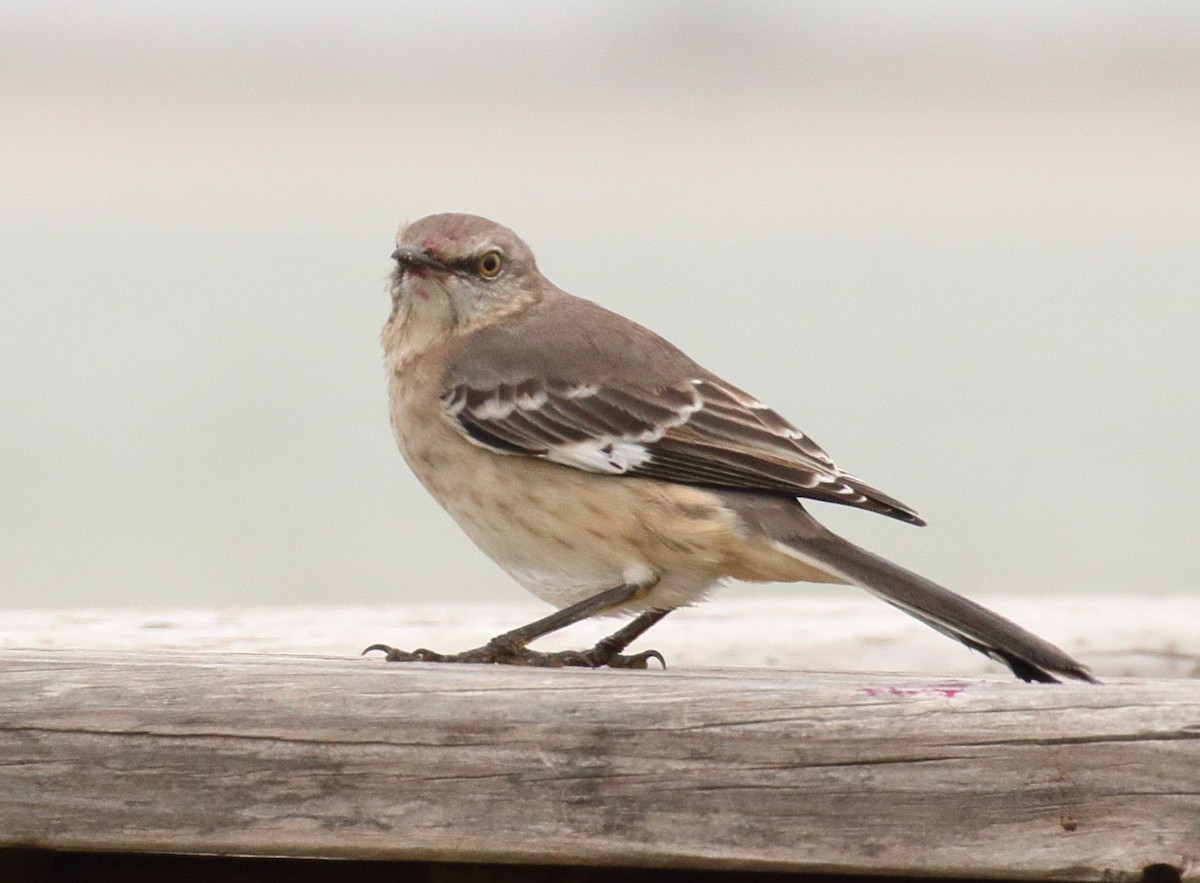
1031	658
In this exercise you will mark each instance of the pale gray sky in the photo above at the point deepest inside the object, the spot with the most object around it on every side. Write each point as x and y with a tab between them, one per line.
957	243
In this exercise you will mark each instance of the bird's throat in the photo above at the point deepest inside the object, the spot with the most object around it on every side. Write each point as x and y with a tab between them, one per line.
425	318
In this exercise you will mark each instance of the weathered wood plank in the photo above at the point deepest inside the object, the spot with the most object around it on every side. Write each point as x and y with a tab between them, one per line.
1118	637
357	758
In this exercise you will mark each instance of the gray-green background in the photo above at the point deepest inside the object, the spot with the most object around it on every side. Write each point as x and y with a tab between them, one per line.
957	243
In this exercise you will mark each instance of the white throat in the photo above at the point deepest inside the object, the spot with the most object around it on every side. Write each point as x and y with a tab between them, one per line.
426	317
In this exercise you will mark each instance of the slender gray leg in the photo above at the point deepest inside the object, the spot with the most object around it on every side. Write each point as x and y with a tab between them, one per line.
607	650
510	648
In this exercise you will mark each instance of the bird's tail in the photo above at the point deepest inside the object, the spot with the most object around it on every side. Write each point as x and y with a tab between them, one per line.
1031	658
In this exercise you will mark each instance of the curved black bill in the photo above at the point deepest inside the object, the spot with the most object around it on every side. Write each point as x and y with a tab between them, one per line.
419	259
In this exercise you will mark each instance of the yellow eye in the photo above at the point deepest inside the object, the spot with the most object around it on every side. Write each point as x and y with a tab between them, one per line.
490	264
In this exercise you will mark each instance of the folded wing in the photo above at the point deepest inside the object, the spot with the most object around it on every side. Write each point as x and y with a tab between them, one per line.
699	431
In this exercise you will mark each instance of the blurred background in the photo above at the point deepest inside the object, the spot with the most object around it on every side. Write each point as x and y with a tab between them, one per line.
956	243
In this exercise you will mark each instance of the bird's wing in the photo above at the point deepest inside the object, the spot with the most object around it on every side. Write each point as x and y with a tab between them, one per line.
603	394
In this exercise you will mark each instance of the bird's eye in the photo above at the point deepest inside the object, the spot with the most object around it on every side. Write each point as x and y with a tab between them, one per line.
489	264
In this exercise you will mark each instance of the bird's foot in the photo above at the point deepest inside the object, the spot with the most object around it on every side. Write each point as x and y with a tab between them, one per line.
502	653
596	657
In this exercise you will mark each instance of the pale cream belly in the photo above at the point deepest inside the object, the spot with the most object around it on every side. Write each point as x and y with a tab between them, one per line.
564	534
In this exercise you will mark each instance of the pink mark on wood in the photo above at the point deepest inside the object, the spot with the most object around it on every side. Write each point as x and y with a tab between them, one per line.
946	690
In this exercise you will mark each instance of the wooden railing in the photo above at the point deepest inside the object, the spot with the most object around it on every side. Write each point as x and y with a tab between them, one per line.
150	752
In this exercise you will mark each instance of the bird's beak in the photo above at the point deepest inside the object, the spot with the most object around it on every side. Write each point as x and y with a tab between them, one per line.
413	258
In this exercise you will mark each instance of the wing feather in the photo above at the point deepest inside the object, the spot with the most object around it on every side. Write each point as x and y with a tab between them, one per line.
696	433
599	393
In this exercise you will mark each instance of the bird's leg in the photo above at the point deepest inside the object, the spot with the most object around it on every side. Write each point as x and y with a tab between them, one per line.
511	648
608	650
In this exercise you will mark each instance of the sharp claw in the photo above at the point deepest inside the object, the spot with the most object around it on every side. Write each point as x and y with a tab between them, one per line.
393	654
647	655
638	660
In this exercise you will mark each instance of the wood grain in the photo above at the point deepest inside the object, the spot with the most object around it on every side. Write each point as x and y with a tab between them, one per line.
357	758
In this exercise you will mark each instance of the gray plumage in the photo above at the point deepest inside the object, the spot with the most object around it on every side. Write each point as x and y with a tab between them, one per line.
506	392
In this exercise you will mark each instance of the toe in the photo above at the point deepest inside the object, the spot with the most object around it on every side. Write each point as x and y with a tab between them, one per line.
637	660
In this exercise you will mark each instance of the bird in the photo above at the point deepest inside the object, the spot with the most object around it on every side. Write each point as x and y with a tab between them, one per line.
609	473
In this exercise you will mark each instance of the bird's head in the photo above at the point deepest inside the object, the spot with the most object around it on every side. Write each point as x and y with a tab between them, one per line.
461	270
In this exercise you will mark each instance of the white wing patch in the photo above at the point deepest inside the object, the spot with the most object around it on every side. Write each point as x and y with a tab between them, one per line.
618	455
532	401
583	391
494	409
597	455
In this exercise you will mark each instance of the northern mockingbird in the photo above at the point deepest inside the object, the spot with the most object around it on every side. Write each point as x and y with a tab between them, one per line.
605	471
